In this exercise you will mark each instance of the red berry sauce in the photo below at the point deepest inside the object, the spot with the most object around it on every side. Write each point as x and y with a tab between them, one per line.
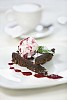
37	75
52	76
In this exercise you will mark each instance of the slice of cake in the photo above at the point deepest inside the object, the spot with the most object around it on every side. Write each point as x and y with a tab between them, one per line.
27	49
17	59
43	58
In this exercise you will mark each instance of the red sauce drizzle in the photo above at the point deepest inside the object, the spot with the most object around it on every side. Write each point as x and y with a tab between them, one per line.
17	70
39	75
11	67
52	76
10	63
27	73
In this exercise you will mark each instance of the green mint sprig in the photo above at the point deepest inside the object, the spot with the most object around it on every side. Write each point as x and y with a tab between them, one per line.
42	50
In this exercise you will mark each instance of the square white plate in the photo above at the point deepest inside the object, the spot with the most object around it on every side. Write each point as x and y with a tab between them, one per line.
11	79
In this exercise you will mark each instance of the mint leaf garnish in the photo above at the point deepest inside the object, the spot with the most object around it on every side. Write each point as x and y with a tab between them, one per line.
41	49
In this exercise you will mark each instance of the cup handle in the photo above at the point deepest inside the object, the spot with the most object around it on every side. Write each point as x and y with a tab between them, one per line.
10	15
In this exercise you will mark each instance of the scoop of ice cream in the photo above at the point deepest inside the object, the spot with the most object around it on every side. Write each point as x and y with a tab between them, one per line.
27	47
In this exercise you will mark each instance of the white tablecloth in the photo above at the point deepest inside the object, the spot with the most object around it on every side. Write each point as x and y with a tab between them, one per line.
53	9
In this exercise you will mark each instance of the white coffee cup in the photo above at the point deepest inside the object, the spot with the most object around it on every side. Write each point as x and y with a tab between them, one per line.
27	15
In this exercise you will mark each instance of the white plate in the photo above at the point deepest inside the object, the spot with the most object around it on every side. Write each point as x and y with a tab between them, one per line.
14	80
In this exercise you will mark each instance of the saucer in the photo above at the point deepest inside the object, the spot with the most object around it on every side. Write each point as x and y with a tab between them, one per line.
16	31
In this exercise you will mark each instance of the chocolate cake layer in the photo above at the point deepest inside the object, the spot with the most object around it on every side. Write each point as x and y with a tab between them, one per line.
43	58
17	59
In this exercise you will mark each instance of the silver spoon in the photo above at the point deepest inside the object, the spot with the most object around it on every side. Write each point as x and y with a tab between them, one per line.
41	27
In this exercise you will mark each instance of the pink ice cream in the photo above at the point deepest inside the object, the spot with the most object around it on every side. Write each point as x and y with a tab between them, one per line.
27	47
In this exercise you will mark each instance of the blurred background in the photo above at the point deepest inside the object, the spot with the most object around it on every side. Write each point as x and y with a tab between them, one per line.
53	9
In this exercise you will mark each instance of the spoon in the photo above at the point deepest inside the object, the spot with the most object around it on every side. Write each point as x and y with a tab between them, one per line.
41	27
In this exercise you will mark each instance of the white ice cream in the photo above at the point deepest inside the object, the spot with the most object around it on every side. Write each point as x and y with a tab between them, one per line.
27	47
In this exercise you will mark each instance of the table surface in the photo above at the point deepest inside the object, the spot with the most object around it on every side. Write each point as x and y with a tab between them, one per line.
53	9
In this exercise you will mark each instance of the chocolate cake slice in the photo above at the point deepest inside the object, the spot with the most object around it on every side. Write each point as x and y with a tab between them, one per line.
17	59
43	58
